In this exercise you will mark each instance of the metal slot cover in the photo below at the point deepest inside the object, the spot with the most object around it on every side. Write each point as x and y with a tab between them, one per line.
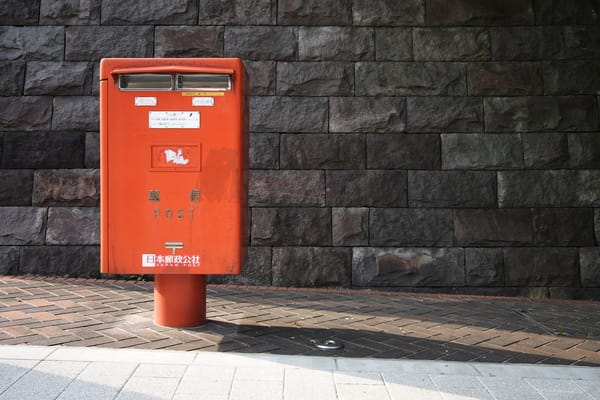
203	82
145	82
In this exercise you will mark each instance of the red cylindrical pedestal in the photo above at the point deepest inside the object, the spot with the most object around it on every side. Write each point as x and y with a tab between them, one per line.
179	300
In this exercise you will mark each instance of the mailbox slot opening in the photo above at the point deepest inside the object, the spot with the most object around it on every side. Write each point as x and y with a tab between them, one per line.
145	82
203	82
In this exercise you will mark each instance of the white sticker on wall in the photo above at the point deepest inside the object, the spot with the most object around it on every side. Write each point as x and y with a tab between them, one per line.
174	119
146	101
203	101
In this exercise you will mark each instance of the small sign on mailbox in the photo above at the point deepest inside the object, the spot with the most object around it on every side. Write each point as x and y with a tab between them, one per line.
174	155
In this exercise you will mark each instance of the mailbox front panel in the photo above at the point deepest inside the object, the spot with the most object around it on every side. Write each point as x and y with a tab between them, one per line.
173	166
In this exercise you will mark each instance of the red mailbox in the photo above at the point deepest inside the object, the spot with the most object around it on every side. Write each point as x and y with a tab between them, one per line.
174	156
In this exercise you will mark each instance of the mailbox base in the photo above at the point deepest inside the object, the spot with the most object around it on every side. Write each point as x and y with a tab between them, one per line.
179	300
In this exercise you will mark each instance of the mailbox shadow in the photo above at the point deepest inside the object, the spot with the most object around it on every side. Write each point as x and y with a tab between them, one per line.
251	338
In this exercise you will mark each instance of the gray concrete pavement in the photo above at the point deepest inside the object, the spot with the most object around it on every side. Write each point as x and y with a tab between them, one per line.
40	372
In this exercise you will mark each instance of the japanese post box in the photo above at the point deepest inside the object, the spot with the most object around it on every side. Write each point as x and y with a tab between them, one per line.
174	178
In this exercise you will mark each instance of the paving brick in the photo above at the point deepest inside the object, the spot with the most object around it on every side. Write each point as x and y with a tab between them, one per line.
410	227
314	12
366	188
312	266
237	12
69	12
322	151
42	150
481	151
334	43
85	43
465	12
367	114
262	42
291	227
451	189
410	151
32	43
287	188
408	78
435	114
388	12
505	79
493	227
315	79
451	44
115	12
188	41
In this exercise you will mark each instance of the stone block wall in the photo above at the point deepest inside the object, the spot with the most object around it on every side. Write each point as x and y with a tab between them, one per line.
448	145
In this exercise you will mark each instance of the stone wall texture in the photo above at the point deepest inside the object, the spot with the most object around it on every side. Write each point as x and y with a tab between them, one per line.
431	145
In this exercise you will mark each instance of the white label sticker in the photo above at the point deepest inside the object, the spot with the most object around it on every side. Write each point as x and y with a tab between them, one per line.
145	101
148	260
170	260
174	119
203	101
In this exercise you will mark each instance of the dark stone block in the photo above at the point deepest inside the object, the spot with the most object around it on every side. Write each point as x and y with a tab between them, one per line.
387	267
291	227
43	150
367	114
545	150
73	261
410	227
237	12
493	227
79	225
572	77
370	188
32	43
481	151
584	150
76	113
70	12
505	79
336	44
597	224
92	150
322	151
288	114
95	42
58	78
350	226
77	187
393	44
96	80
589	259
540	114
314	12
435	114
312	266
117	12
26	113
16	188
261	42
315	79
287	188
451	189
22	225
563	226
468	12
264	151
451	44
261	75
12	76
388	12
18	12
541	267
561	188
484	267
582	42
188	41
406	78
550	12
9	260
392	151
257	271
527	43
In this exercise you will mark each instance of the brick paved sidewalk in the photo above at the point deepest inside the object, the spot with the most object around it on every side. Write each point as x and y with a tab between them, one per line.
118	314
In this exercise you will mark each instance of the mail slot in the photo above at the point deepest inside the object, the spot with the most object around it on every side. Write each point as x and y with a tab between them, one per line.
174	181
